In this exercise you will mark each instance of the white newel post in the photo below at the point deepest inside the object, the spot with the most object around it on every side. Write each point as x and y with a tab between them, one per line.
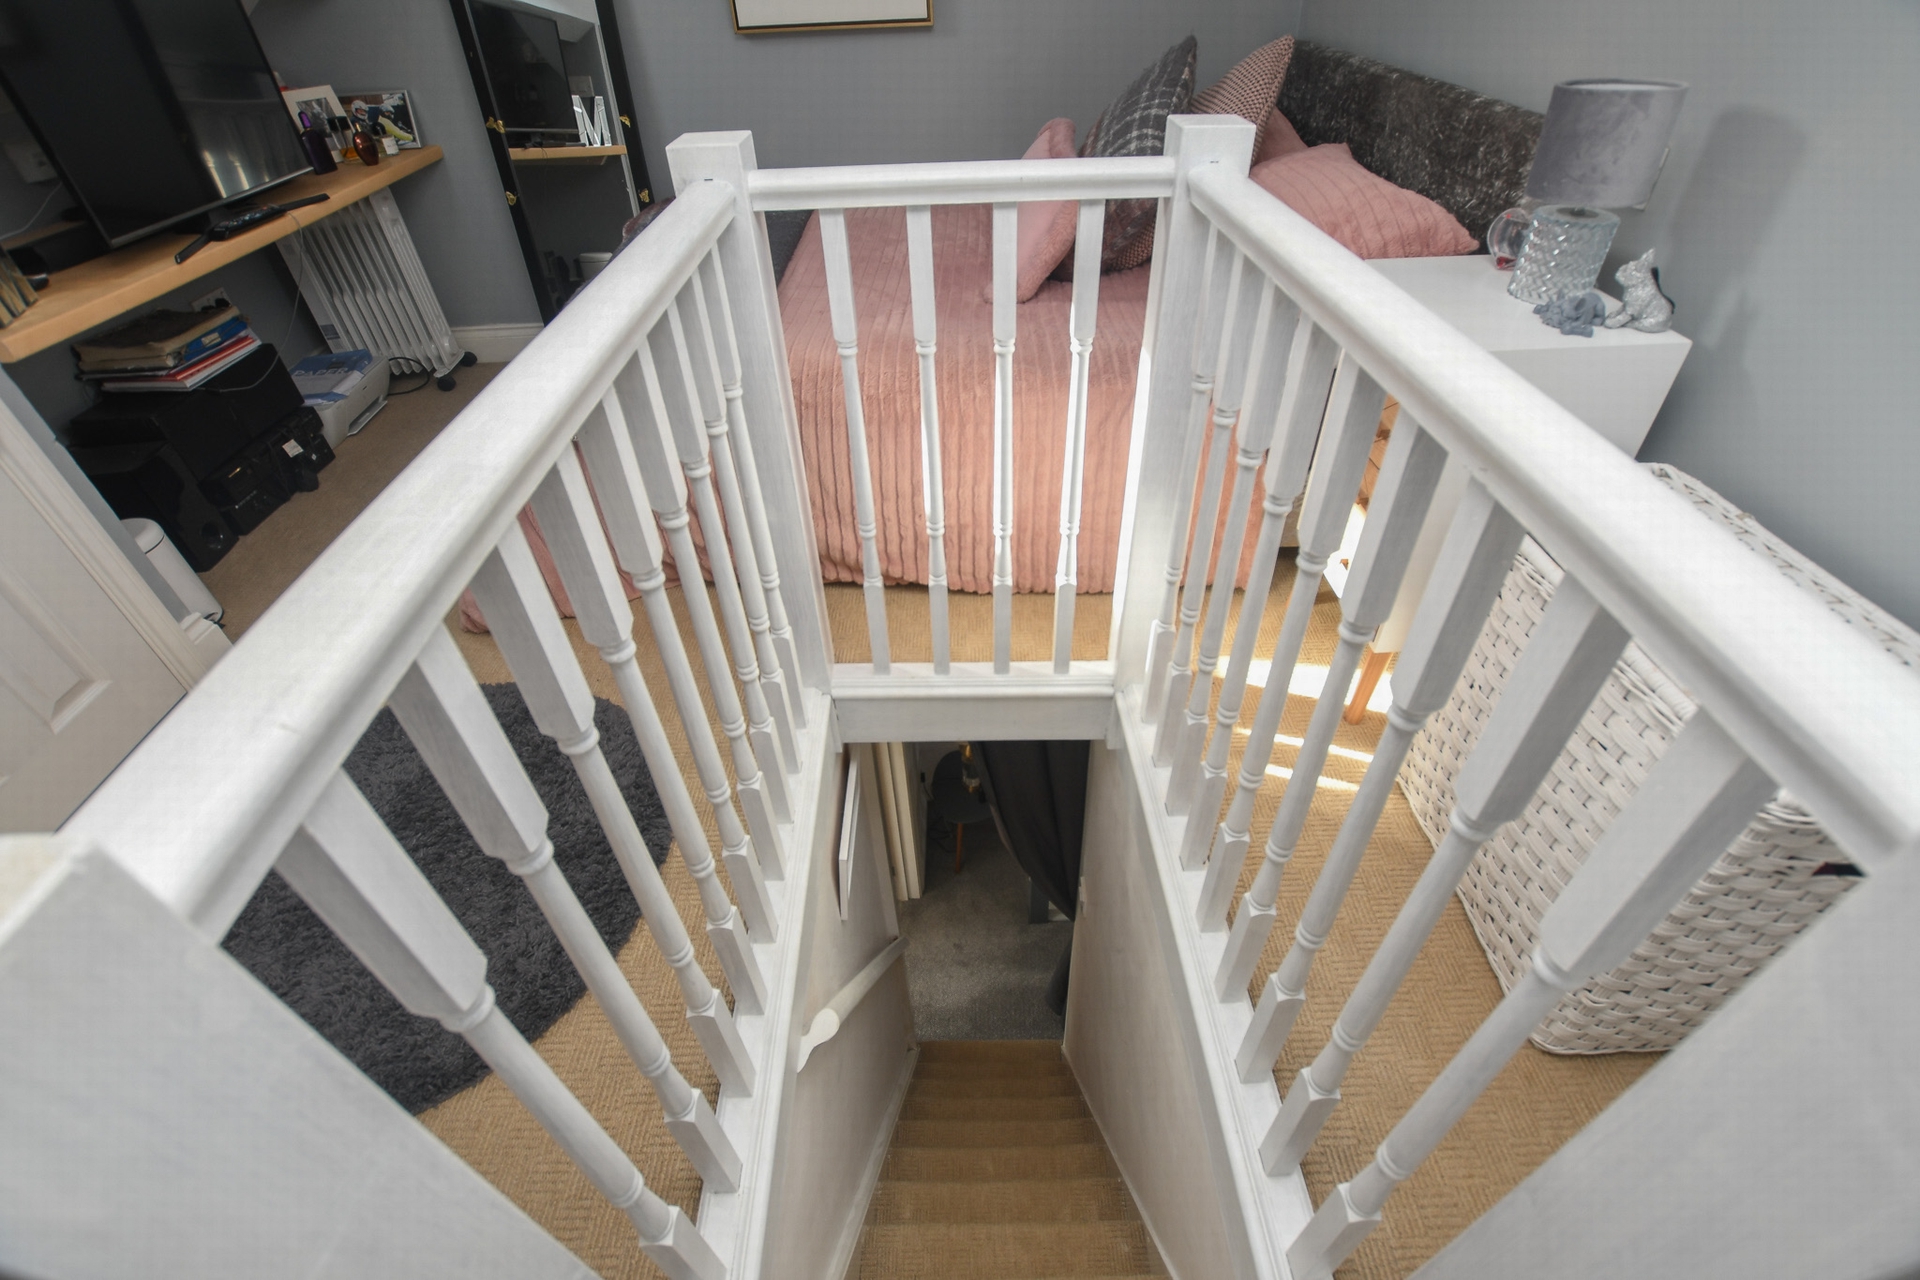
361	883
1159	490
772	422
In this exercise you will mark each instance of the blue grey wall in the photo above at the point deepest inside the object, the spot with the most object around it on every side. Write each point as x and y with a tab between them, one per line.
454	209
1786	222
976	85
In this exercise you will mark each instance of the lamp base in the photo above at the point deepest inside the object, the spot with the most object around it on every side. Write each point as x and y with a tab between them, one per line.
1566	245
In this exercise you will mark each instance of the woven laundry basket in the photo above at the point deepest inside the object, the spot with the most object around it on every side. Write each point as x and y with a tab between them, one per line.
1780	873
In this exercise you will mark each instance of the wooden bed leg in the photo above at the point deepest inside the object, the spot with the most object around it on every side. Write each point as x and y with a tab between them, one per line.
1371	670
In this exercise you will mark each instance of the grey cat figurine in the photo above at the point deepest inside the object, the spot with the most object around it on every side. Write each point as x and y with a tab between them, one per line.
1647	308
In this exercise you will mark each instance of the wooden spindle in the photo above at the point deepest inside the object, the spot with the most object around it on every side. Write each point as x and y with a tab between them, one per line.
607	448
1208	316
1556	679
932	490
1006	266
644	415
1400	501
1693	803
565	508
711	283
846	333
1346	437
675	372
450	723
1303	404
348	867
1251	436
1473	563
704	361
1239	294
1080	324
521	615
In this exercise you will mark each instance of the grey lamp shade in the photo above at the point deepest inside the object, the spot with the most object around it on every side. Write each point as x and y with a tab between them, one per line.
1604	142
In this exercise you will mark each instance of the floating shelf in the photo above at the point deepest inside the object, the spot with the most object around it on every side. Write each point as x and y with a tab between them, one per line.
563	155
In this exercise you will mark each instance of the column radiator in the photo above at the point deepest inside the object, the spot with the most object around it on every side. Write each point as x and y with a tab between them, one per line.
362	280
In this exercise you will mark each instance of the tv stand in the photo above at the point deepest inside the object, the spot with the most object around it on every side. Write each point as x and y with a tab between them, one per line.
89	294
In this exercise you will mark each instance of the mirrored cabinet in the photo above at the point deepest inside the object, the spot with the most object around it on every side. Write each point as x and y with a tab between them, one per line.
552	83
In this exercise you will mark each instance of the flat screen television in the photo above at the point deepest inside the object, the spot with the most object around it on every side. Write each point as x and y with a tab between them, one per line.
151	111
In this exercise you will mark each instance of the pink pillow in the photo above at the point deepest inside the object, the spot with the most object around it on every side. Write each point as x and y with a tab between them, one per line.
1046	226
1250	89
1279	139
1362	210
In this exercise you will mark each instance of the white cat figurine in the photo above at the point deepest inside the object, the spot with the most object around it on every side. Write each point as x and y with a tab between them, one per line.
1647	308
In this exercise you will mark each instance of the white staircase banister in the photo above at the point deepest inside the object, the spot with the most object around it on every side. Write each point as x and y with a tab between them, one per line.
960	182
824	1025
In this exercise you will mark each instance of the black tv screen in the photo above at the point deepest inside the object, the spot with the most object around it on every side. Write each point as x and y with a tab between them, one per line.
151	110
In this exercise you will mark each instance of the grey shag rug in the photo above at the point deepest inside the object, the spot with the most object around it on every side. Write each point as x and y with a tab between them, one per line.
281	941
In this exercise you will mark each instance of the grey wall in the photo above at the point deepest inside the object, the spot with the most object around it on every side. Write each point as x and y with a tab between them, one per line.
454	209
1784	219
977	85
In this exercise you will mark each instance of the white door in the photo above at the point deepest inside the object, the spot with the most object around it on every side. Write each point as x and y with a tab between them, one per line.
80	682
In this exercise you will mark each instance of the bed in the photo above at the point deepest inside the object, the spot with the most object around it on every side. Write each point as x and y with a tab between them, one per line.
1464	151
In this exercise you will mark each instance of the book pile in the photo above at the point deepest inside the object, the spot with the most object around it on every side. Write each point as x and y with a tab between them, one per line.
166	350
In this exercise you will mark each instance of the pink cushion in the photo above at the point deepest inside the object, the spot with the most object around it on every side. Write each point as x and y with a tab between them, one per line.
1362	210
1279	139
1046	226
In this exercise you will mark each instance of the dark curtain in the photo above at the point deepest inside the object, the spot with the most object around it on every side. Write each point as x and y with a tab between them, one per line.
1038	793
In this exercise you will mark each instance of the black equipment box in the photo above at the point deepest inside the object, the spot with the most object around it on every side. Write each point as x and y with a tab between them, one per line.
205	426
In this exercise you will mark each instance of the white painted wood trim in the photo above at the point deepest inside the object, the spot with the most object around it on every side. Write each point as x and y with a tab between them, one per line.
495	343
962	182
826	1024
913	704
870	1177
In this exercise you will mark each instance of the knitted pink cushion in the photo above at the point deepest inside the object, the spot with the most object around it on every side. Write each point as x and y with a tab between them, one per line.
1251	89
1362	210
1046	226
1280	139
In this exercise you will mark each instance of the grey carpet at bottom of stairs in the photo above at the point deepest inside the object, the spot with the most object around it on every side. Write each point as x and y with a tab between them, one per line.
280	940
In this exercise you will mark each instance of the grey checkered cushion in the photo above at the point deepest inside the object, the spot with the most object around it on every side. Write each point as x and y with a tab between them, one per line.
1135	124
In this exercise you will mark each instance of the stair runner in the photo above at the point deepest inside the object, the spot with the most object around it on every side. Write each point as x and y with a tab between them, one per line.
997	1171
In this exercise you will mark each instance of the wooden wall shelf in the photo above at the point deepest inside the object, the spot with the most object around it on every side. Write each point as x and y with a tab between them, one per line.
564	155
93	293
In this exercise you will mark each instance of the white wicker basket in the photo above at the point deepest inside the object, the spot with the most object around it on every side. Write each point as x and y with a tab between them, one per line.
1780	873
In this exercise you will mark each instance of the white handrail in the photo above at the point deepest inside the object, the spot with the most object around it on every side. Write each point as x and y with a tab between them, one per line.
1821	707
825	1025
870	186
234	768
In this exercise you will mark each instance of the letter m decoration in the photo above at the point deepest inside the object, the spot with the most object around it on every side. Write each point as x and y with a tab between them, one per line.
594	132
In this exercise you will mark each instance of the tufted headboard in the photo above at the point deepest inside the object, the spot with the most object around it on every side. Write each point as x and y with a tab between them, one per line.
1466	152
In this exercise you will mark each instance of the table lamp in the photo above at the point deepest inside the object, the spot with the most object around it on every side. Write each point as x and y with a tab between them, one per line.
1601	148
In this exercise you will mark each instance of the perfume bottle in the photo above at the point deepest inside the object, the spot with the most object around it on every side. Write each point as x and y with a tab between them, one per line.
364	146
314	142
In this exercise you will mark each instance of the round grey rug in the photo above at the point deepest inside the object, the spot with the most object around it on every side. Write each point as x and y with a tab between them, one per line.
281	941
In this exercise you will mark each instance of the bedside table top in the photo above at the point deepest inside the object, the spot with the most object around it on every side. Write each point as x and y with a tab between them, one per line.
1470	293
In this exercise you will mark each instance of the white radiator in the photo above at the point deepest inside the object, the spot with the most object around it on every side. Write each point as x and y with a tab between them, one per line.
362	280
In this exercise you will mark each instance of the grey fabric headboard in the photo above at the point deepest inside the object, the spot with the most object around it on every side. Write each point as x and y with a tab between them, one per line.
1464	151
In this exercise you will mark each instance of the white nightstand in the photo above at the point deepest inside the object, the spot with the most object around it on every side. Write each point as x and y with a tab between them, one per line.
1614	381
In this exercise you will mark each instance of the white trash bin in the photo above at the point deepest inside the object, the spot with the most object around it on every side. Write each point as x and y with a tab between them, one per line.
173	567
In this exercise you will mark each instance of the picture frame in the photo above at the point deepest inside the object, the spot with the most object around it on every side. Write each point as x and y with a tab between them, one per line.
758	17
318	99
388	115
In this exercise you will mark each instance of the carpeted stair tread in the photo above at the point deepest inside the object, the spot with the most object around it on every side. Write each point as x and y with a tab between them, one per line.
1004	1251
994	1071
995	1087
989	1051
935	1108
989	1164
994	1133
1039	1200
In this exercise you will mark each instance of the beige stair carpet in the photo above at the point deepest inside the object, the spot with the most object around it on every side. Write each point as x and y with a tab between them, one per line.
997	1170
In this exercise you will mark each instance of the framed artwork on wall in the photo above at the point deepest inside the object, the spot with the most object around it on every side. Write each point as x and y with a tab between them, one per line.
755	16
387	115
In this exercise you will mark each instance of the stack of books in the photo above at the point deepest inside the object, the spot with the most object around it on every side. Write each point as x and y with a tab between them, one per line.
166	350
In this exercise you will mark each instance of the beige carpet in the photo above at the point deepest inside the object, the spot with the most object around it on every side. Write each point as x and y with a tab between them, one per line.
1533	1106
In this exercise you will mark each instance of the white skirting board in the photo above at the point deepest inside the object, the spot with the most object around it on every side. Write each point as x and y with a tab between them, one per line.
494	343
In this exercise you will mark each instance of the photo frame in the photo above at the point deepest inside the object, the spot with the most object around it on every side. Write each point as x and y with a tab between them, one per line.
388	115
756	17
318	99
